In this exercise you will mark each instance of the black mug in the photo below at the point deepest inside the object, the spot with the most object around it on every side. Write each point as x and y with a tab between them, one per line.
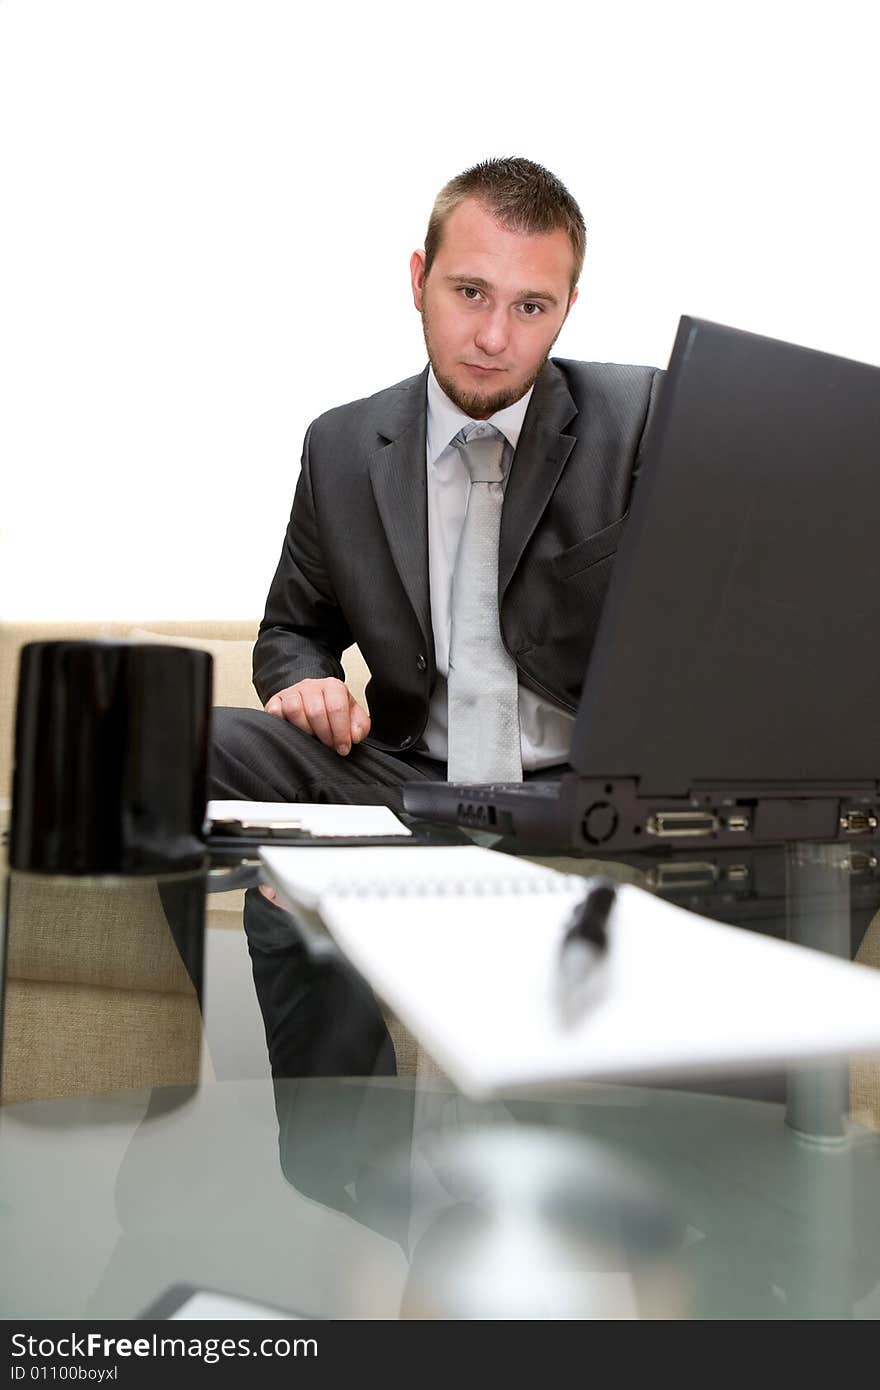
111	755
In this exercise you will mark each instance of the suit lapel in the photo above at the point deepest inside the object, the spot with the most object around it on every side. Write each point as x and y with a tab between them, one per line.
398	475
540	457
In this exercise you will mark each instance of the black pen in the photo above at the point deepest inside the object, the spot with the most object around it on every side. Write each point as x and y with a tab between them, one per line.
584	946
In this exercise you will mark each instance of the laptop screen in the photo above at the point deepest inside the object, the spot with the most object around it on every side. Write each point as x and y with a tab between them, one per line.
740	639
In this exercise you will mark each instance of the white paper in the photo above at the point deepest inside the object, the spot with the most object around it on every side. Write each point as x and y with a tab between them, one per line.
474	975
306	877
317	818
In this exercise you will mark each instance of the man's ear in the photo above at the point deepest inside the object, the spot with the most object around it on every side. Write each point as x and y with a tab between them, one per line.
417	277
572	298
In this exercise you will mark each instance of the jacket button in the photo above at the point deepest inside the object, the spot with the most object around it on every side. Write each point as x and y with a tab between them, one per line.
421	663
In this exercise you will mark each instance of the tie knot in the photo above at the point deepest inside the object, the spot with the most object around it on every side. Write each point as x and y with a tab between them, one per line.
482	449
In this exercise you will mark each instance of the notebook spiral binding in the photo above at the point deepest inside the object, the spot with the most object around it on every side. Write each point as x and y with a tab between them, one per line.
426	887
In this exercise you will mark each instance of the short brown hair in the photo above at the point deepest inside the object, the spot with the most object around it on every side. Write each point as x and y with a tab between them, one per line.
523	196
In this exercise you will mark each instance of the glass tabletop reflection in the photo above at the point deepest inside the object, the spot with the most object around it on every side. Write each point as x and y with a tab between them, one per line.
197	1089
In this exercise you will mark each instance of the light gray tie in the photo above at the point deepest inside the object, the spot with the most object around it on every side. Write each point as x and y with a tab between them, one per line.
484	742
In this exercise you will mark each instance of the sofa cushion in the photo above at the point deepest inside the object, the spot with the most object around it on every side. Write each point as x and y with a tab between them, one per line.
232	663
67	1039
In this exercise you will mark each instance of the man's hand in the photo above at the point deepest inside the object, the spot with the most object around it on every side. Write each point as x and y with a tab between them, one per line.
324	708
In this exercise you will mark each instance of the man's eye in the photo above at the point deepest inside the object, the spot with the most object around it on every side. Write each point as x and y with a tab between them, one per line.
531	311
470	292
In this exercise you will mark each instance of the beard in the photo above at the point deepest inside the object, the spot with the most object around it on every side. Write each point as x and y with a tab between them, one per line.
479	406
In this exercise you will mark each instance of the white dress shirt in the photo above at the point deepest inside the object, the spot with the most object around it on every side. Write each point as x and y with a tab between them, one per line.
545	728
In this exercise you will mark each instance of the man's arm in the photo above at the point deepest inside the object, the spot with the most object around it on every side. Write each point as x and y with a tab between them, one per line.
297	671
653	399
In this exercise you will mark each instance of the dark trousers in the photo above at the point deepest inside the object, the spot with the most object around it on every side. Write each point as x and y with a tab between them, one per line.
321	1018
258	757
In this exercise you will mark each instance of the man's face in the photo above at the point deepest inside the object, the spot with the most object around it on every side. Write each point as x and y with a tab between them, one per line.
492	307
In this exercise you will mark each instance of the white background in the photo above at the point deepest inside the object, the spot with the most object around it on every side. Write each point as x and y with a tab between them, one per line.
207	208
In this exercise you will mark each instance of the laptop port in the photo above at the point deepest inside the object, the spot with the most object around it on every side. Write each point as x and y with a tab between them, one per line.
737	873
476	813
858	822
680	823
860	863
693	874
599	823
737	822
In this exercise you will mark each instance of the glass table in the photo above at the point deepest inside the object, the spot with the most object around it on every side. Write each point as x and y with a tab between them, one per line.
194	1095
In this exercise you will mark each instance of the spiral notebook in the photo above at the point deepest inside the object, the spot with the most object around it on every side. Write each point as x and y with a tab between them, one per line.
463	944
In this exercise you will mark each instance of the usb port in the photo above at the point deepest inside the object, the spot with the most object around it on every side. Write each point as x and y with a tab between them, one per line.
737	873
737	822
680	823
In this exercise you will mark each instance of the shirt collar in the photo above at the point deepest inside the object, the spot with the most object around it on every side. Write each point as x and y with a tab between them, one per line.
445	419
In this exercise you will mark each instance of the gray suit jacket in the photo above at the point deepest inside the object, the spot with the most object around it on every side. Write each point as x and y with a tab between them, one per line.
354	565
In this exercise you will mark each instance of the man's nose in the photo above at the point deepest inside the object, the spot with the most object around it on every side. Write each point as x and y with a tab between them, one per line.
492	334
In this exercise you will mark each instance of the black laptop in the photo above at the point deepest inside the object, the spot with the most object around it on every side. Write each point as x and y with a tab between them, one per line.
733	692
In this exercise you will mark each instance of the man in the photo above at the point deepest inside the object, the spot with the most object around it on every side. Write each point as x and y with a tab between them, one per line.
459	527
